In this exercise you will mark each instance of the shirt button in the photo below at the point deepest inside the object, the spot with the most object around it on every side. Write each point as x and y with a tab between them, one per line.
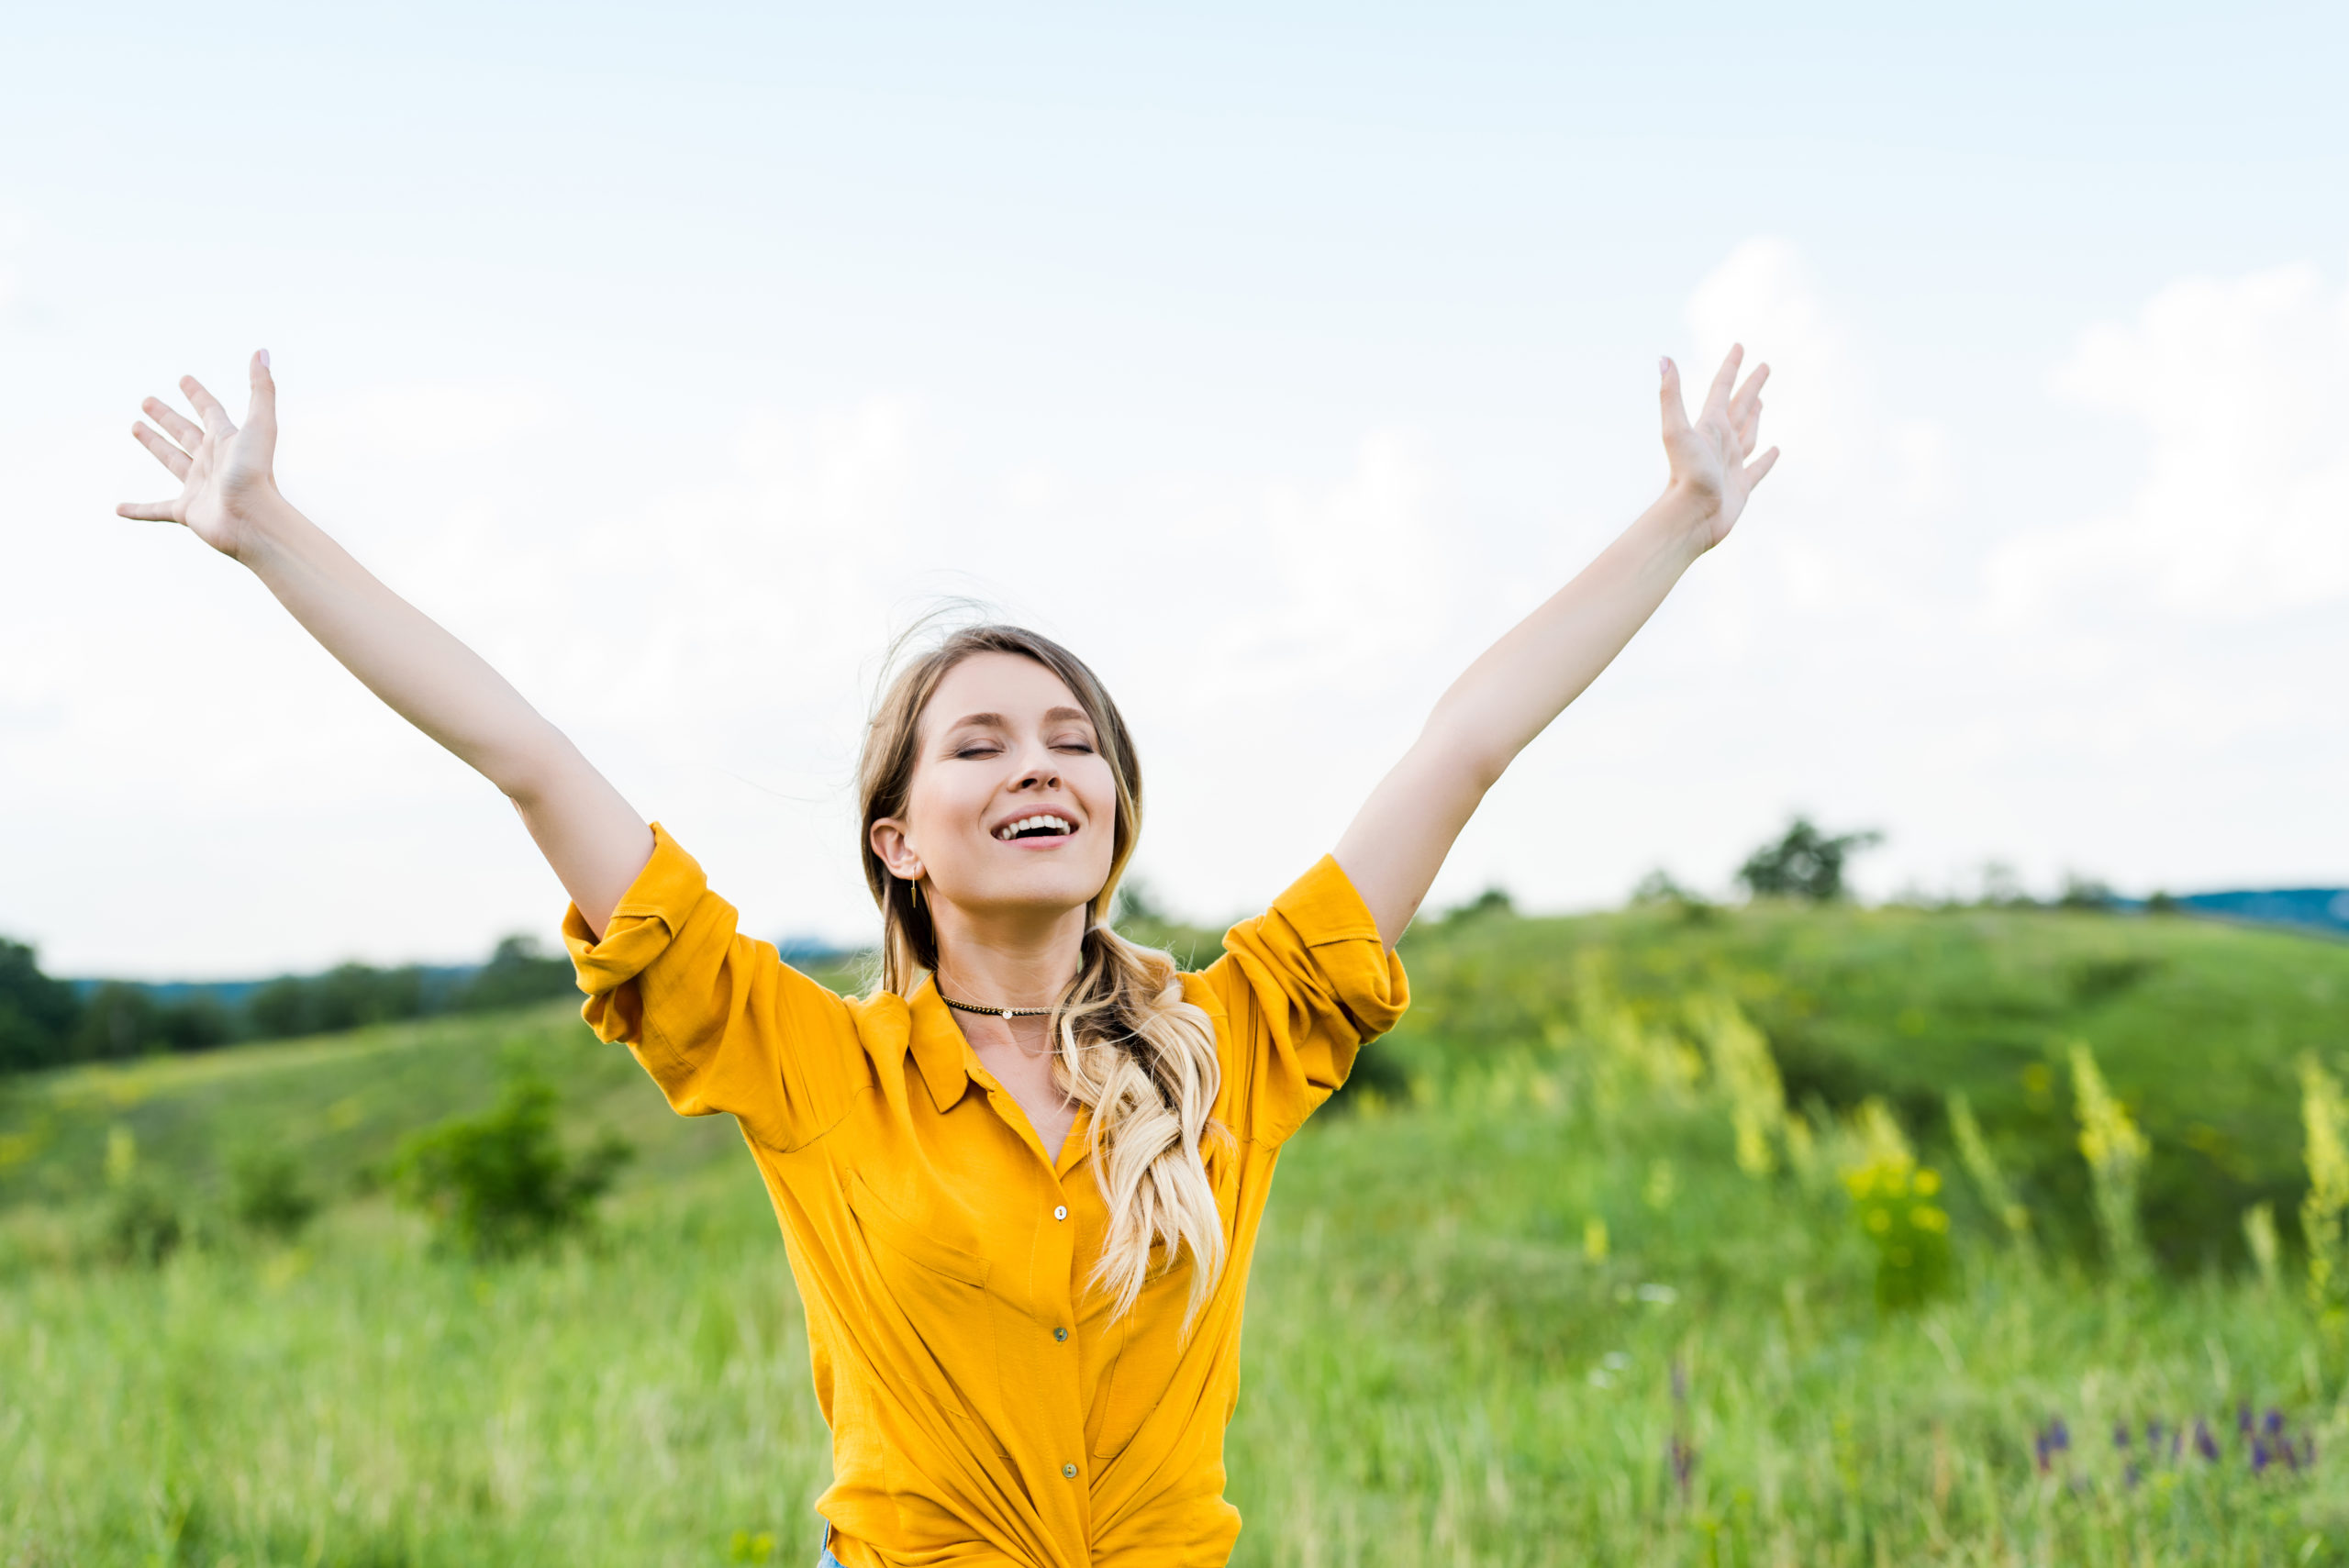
1069	1471
1060	1333
1061	1213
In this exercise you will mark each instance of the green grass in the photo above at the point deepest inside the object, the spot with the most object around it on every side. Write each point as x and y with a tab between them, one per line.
2200	1027
1438	1370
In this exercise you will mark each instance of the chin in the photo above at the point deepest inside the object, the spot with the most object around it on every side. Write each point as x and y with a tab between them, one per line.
1045	889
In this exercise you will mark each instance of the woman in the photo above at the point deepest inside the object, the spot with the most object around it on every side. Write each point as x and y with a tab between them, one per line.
1020	1182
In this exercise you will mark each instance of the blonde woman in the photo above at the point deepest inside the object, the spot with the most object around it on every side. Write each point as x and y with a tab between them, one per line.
1020	1181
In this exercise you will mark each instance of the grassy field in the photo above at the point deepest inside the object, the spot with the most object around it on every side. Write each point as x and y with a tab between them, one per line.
1520	1302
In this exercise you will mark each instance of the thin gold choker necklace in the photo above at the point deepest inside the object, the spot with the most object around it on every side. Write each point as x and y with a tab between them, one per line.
997	1012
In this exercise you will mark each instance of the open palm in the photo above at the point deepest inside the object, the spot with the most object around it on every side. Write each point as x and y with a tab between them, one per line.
1709	454
223	469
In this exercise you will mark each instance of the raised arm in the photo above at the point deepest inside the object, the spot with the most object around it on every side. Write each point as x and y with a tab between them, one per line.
1397	841
229	498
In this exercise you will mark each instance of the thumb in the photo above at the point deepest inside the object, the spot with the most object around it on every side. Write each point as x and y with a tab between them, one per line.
262	409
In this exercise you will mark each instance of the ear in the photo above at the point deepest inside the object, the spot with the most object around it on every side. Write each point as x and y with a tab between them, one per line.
896	851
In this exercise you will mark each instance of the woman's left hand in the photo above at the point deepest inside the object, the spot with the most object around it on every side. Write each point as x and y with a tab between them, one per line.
1708	457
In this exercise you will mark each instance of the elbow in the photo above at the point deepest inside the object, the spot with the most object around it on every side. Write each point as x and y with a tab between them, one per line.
1471	762
527	774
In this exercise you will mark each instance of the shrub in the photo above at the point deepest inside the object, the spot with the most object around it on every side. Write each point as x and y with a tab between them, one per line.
142	1223
267	1193
499	1184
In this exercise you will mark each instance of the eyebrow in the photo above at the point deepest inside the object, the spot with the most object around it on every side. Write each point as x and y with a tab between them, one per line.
996	720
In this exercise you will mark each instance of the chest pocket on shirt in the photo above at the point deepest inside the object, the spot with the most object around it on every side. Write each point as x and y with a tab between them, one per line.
948	1350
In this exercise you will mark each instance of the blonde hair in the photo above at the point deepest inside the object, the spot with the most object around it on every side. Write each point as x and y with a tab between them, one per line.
1125	1043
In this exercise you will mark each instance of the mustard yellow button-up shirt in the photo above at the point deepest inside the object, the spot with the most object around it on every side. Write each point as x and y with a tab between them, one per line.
985	1408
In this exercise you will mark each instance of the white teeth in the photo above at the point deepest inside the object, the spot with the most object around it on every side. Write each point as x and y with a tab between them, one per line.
1013	829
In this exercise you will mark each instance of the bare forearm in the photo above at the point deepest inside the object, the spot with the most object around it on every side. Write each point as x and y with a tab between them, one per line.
595	840
1526	679
1398	841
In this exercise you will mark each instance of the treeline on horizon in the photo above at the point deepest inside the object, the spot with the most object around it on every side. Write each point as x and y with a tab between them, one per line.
48	1022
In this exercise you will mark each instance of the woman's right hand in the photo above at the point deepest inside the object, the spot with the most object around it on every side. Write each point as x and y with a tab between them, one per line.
224	470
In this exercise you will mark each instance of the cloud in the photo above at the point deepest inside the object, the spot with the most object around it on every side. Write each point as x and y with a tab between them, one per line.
2240	389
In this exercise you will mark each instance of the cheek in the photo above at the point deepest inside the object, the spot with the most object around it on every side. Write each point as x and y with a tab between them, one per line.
934	804
1097	788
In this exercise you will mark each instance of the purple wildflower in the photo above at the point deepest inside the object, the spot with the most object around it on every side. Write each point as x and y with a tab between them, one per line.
2243	1419
2120	1434
2039	1451
2059	1436
2204	1443
2258	1456
1684	1463
2275	1422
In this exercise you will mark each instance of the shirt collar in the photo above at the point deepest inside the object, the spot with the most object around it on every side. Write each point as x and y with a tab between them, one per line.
939	1048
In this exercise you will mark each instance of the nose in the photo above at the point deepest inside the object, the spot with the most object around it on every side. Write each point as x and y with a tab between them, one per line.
1038	774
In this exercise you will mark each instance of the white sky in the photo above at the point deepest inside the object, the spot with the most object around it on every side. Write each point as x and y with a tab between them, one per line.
1274	360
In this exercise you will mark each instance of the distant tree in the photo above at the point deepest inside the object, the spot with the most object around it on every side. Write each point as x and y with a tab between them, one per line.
519	973
119	1021
348	996
1804	863
2084	892
2001	888
1492	901
194	1023
39	1015
2163	904
277	1010
1657	888
352	994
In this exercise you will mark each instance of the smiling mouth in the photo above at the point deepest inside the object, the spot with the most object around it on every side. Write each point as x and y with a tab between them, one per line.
1043	825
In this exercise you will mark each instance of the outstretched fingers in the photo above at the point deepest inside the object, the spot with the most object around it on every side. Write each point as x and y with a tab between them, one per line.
1745	409
170	456
150	511
263	409
1759	469
176	424
208	408
1717	398
1676	412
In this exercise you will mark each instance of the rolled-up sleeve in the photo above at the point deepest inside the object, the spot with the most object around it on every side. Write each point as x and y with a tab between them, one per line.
1303	985
718	1020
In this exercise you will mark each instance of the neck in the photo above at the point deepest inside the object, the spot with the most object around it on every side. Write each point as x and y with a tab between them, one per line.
1008	961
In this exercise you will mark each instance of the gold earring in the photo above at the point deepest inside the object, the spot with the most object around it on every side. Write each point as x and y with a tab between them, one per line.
914	885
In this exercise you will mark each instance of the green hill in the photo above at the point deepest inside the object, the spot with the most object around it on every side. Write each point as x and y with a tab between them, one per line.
2198	1027
1514	1303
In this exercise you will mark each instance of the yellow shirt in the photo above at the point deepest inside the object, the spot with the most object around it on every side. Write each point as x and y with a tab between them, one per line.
984	1406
